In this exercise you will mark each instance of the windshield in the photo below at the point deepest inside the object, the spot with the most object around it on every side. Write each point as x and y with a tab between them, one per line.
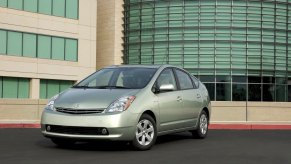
123	78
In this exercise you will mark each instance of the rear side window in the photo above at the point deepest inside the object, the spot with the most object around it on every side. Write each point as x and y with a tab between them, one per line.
184	80
196	82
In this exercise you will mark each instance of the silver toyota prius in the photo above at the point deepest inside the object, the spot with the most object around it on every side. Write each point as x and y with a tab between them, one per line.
134	103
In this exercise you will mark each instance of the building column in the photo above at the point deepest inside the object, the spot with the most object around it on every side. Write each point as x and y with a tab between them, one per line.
34	88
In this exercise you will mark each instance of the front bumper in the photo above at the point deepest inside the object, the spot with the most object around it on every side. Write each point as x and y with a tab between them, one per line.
120	126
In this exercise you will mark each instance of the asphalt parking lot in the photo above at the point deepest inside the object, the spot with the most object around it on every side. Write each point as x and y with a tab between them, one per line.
222	146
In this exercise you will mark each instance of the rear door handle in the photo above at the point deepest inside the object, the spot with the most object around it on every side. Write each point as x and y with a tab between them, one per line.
198	96
179	98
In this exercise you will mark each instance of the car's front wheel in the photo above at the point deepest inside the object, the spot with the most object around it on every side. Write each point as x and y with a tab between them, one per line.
202	128
145	134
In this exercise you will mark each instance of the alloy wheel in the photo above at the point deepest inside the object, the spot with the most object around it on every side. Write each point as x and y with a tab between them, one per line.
203	124
145	132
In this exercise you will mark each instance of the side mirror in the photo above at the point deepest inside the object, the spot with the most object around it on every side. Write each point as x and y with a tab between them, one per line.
166	87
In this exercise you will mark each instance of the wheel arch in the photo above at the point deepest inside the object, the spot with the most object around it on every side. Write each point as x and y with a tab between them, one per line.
151	113
207	112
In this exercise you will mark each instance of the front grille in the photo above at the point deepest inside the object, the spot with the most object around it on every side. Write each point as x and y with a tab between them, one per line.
77	130
79	111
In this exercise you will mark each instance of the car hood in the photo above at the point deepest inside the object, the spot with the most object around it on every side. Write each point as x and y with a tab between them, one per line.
78	98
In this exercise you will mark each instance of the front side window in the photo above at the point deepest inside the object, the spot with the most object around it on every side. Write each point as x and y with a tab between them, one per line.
184	80
165	78
126	78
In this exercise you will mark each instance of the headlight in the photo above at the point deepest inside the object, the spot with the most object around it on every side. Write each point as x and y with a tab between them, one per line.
121	104
50	104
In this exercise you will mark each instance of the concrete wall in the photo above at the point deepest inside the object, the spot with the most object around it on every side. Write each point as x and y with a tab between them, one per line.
251	112
29	111
21	110
109	32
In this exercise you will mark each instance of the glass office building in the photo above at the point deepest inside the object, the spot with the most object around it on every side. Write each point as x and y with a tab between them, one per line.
240	49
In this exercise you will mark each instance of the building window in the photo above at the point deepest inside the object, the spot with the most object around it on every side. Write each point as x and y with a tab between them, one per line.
3	3
45	7
233	46
29	45
254	92
211	90
223	92
58	48
71	50
12	87
49	88
61	8
38	46
44	47
3	42
72	4
14	43
13	4
30	5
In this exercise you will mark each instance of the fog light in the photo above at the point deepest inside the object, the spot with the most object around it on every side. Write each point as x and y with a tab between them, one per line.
48	128
104	131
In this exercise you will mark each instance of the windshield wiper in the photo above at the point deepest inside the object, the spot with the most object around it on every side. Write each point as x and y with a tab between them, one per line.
81	86
111	87
101	87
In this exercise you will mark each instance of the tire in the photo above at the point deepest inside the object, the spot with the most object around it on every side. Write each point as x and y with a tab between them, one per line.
63	142
145	134
202	127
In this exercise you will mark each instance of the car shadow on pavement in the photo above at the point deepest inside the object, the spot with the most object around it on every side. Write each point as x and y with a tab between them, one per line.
171	138
113	145
87	146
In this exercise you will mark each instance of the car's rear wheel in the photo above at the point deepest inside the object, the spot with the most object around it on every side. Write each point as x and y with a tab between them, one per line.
63	142
145	134
202	128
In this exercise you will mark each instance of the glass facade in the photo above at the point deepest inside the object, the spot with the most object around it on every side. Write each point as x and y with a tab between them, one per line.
61	8
12	87
38	46
240	49
49	88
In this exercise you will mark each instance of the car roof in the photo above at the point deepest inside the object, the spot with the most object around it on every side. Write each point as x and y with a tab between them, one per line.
139	66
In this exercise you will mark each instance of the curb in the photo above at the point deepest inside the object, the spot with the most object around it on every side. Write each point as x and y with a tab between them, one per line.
14	125
249	127
211	126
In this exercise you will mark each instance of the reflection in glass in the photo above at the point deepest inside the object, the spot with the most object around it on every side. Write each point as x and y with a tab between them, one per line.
281	93
239	92
254	92
268	79
239	79
268	92
222	78
289	93
254	79
210	88
206	78
223	92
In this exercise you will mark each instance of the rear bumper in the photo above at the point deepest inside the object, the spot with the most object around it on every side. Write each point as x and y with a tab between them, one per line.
120	126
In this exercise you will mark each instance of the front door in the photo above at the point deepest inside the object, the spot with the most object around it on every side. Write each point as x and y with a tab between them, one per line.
170	102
